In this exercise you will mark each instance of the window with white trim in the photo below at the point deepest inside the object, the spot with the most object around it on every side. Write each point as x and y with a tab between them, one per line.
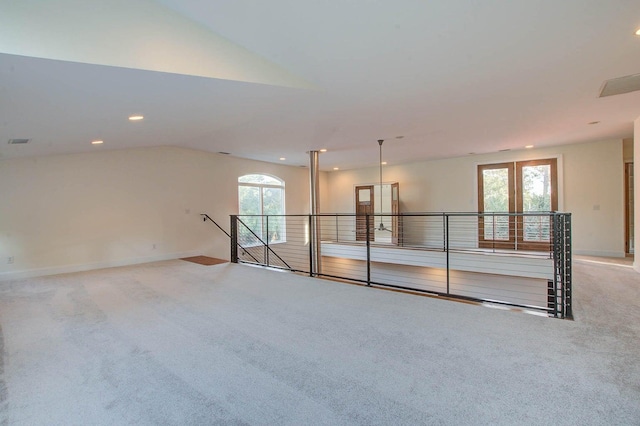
261	208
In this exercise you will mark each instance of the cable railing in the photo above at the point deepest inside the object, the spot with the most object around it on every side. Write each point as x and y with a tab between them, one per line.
206	217
255	242
521	260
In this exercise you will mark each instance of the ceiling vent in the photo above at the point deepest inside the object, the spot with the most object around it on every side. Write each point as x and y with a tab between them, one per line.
18	141
620	85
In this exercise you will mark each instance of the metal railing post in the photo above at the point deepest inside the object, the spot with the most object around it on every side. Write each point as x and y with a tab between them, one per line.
266	240
516	222
567	265
368	234
552	217
557	263
444	236
493	230
234	238
446	232
311	266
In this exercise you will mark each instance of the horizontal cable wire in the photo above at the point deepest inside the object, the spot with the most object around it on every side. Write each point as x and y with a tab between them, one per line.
515	259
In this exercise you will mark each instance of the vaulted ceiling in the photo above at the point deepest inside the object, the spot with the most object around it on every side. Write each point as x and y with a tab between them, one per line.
265	80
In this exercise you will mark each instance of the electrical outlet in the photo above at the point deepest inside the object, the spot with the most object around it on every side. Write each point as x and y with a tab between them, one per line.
10	260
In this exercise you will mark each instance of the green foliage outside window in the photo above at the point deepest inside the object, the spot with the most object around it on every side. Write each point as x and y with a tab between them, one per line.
536	197
261	195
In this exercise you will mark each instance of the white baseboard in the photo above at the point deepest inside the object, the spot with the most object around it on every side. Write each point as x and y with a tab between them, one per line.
65	269
599	253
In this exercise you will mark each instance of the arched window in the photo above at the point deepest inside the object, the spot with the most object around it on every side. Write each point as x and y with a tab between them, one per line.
262	195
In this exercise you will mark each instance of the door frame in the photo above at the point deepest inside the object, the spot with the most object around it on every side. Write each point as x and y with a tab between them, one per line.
492	243
553	168
628	167
516	223
361	217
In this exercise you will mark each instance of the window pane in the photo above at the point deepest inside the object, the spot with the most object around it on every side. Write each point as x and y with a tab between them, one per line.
272	200
249	204
273	203
260	179
257	196
495	187
536	197
536	191
249	200
364	195
276	227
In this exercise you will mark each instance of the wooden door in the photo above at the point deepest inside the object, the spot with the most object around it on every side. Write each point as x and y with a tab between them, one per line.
496	188
629	212
527	187
395	211
364	208
536	191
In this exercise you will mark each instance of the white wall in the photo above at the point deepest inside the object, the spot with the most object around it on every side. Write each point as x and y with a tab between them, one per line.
636	186
591	188
85	211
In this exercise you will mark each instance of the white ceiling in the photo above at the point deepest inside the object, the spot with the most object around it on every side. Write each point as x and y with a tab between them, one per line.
265	80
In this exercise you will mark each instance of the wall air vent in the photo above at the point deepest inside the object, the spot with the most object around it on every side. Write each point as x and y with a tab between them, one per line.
18	141
620	85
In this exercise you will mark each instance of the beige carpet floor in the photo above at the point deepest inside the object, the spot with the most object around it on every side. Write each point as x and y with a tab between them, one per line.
176	343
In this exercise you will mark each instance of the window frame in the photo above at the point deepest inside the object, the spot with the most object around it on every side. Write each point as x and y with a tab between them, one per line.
553	175
493	243
515	183
261	187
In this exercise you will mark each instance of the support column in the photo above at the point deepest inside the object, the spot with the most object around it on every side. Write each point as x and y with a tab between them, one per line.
314	197
636	192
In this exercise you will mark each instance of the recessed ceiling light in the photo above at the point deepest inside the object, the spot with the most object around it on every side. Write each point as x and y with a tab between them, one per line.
594	122
323	150
638	32
136	117
384	163
336	168
282	158
528	146
97	142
